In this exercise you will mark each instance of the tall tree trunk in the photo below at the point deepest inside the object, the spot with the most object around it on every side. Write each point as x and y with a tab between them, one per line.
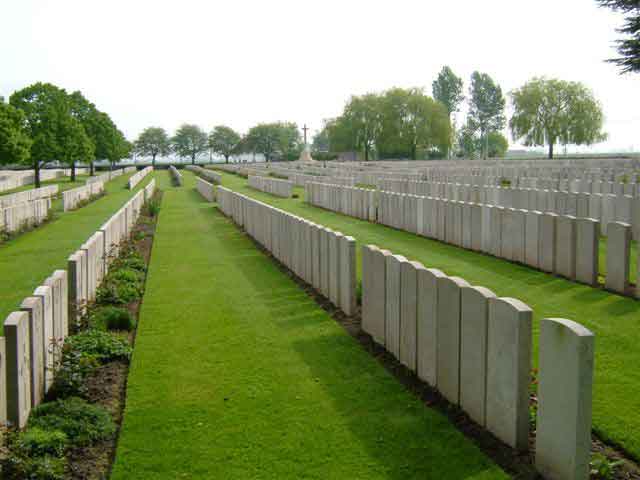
153	160
193	159
551	149
226	159
366	153
36	172
92	171
73	171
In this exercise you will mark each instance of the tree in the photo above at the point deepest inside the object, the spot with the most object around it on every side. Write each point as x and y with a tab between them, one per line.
118	147
190	141
486	107
321	141
364	116
498	145
47	113
470	146
15	144
340	134
224	141
76	146
270	139
629	47
447	89
412	122
548	111
153	141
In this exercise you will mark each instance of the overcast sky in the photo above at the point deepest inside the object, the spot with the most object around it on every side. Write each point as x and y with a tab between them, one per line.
241	62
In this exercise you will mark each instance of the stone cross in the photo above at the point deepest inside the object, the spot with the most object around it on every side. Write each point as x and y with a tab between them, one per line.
304	129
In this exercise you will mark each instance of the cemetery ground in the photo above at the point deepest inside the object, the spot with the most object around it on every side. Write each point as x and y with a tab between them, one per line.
32	256
63	183
614	319
238	373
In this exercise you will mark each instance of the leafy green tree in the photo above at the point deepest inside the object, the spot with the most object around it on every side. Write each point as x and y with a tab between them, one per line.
98	126
321	141
269	139
47	113
190	141
15	144
76	146
498	145
447	89
341	135
224	141
153	141
471	147
364	116
628	47
550	111
412	122
118	147
486	107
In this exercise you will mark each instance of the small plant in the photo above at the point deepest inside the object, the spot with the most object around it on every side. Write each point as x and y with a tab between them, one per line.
153	207
103	346
39	442
602	467
82	422
71	375
19	466
112	318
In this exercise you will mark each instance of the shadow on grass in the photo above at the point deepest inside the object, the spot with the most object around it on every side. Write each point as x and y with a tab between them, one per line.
409	440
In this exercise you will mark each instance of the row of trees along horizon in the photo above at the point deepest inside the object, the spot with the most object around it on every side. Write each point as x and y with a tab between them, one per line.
42	124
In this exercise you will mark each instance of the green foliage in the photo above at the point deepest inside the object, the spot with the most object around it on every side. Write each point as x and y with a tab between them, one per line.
189	142
102	346
121	286
280	139
37	442
486	107
447	89
15	143
628	47
224	141
362	122
112	318
20	466
412	122
548	111
603	468
153	206
153	141
82	422
70	377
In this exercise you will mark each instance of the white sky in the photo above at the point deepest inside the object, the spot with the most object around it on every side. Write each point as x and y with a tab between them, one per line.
241	62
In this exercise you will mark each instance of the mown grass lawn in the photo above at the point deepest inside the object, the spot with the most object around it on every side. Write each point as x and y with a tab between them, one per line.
64	183
238	374
614	319
27	260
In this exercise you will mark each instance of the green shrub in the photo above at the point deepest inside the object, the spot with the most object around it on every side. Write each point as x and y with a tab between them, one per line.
130	259
112	318
153	207
103	346
121	286
19	466
39	442
70	377
82	422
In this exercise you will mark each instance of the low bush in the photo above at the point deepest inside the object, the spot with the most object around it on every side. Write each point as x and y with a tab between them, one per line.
70	377
82	422
111	318
20	466
100	345
39	442
152	207
121	286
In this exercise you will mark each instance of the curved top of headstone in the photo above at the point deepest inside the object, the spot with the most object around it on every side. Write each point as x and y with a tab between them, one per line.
519	305
574	327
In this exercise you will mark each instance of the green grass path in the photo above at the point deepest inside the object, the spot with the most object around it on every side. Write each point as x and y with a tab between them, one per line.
238	374
614	319
27	260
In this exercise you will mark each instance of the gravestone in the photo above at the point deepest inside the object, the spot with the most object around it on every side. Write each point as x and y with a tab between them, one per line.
508	371
427	324
565	383
392	303
618	251
587	250
18	361
408	313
